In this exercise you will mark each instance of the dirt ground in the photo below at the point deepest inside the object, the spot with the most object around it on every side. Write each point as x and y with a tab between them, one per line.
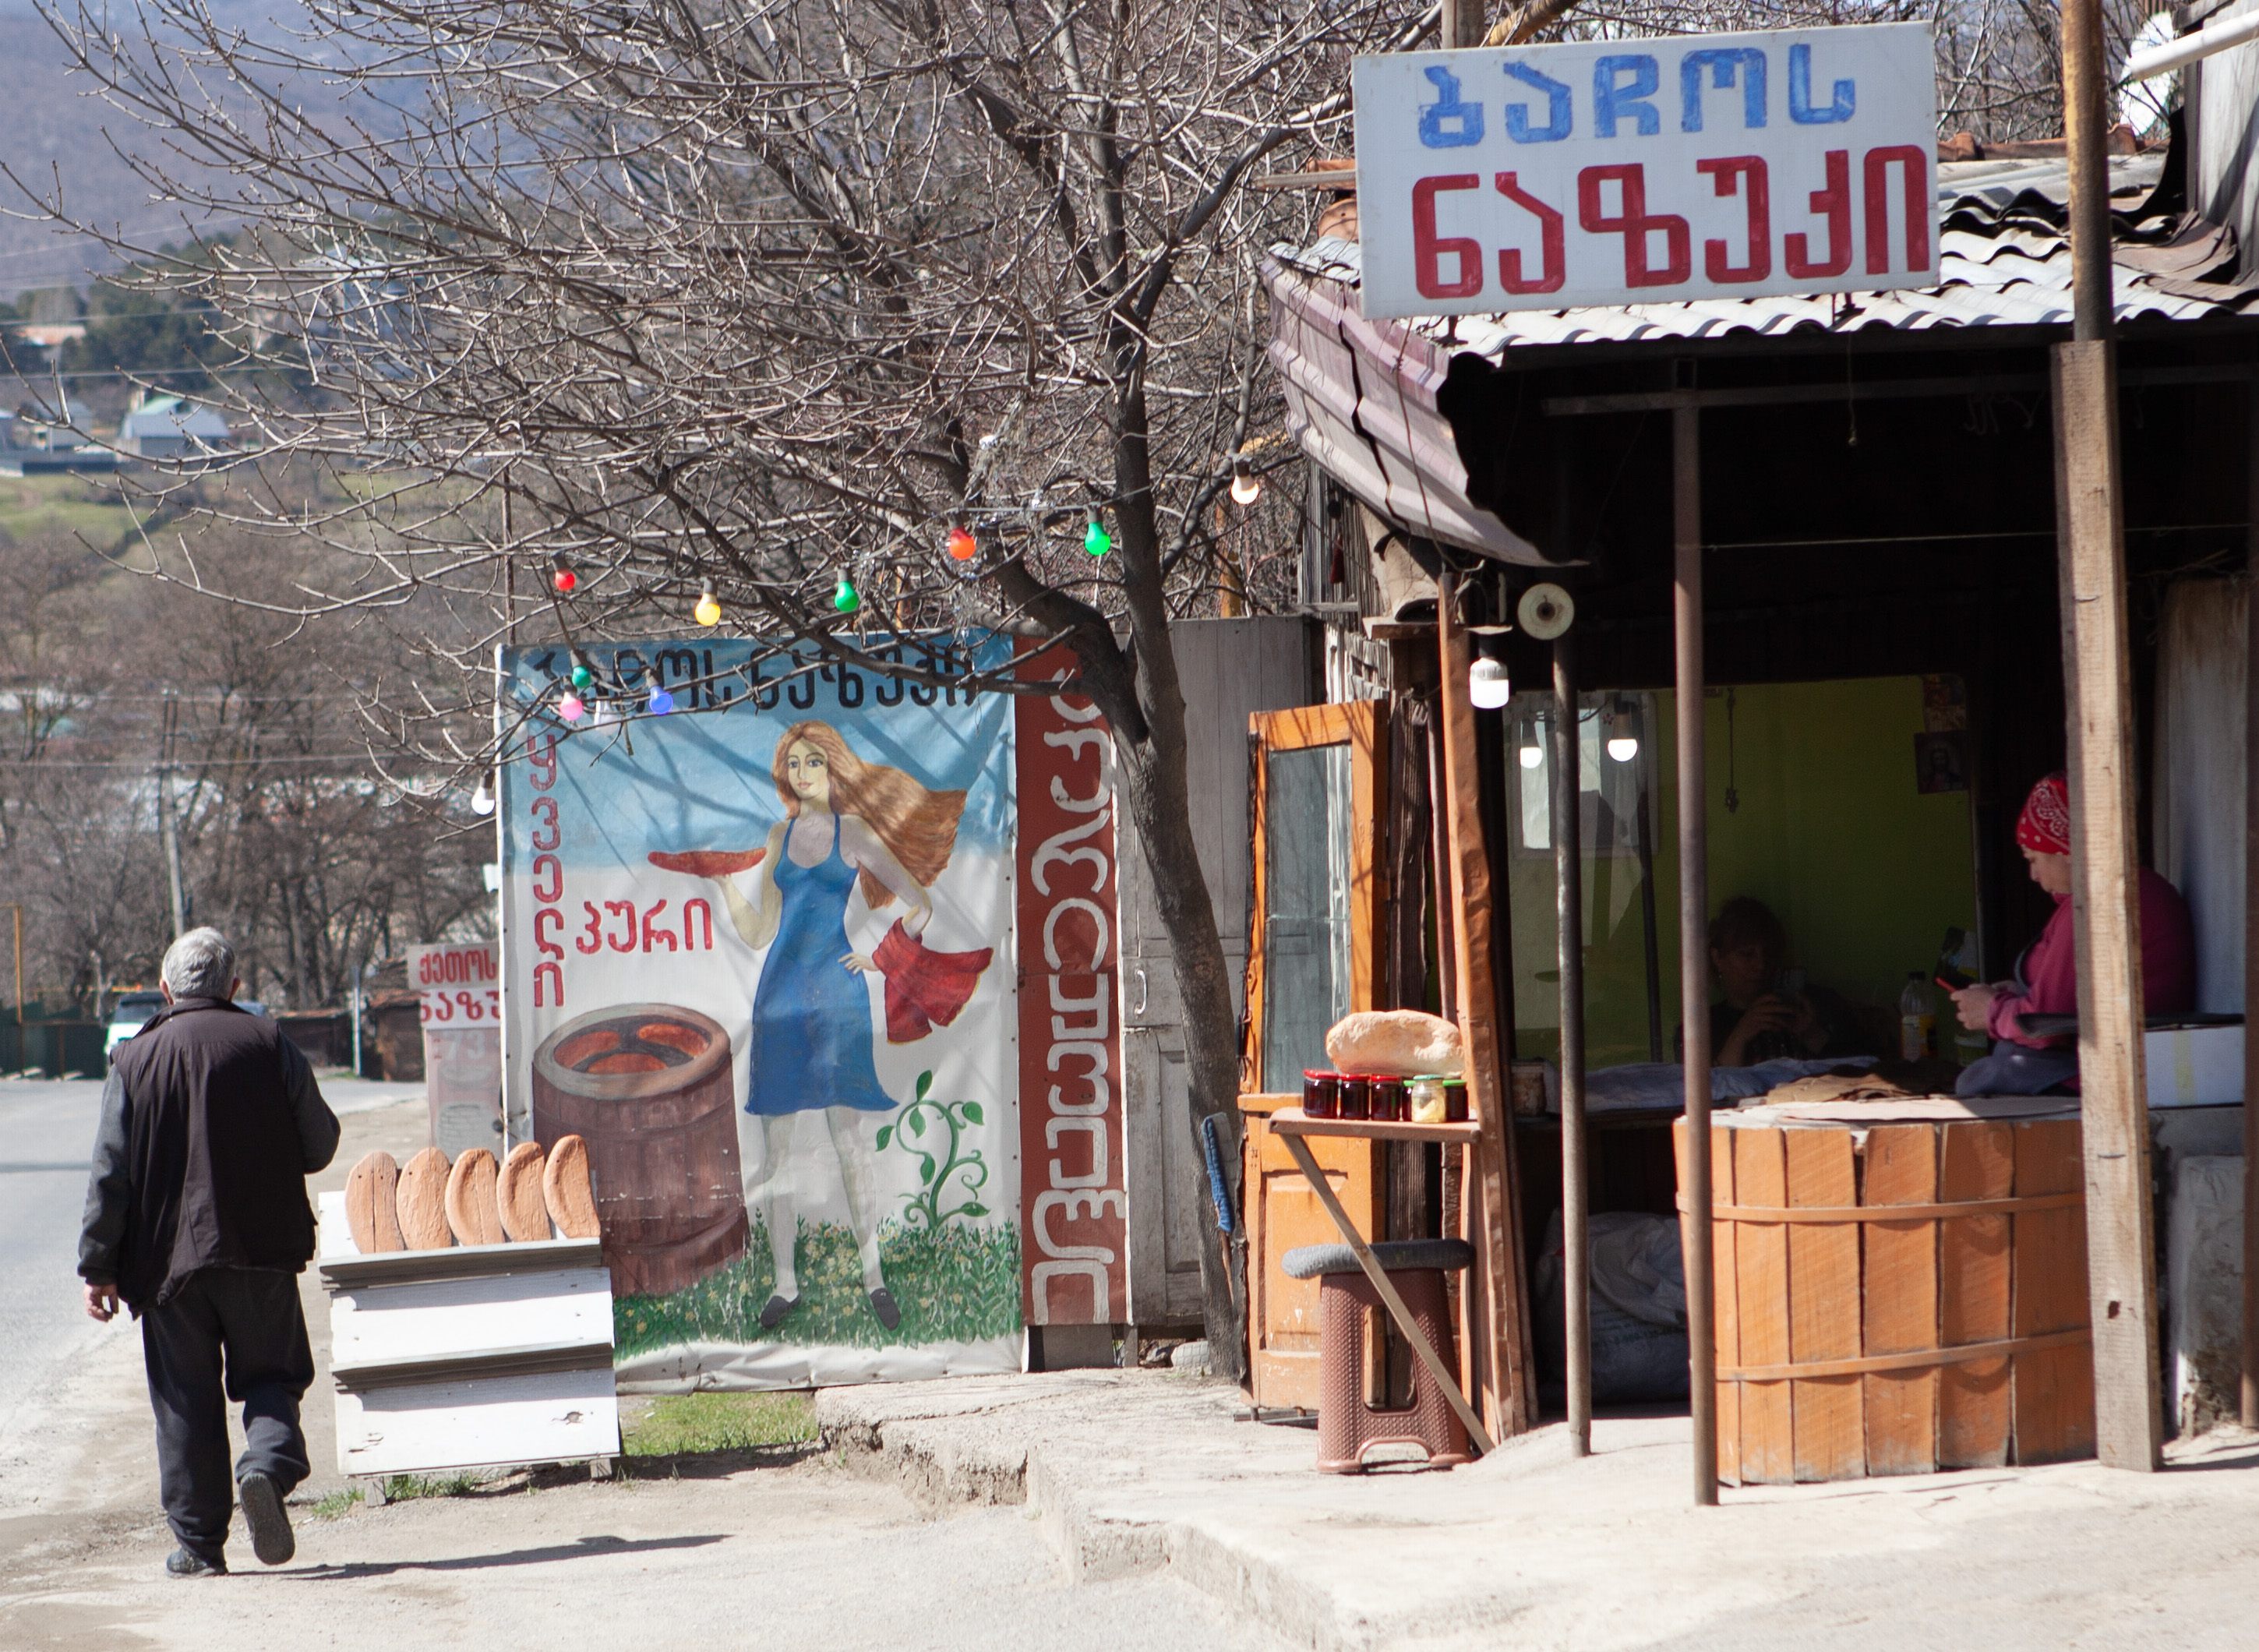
779	1546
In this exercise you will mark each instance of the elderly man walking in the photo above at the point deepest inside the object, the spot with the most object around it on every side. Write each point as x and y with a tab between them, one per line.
196	1219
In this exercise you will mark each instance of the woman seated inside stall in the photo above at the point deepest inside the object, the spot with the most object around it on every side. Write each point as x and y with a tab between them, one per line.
2025	1062
1765	1012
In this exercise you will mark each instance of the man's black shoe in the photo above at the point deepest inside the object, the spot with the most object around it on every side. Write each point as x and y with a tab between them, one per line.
271	1539
184	1563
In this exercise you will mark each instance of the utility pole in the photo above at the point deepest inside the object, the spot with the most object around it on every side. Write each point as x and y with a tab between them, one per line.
2121	1236
166	824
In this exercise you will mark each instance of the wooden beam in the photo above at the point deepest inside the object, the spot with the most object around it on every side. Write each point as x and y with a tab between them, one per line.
1510	1396
2105	869
2250	1406
1694	943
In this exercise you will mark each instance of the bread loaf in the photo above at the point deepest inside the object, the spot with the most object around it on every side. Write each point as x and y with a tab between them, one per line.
372	1191
564	1185
422	1202
471	1209
1398	1043
518	1197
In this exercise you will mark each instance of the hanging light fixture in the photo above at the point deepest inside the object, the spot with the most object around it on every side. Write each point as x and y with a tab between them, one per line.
572	708
1095	539
963	547
581	675
1246	486
1488	684
708	611
661	702
1622	748
563	579
844	598
1533	757
482	800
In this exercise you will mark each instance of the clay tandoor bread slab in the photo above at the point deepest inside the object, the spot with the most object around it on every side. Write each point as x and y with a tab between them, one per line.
471	1209
422	1202
518	1197
371	1193
564	1186
1406	1042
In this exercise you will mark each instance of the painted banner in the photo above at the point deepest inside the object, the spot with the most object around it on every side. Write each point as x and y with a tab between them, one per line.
1626	171
758	956
458	1001
1071	1087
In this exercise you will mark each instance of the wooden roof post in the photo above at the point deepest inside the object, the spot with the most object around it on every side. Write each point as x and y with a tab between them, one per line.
1508	1382
2249	1405
1569	920
2105	889
1695	943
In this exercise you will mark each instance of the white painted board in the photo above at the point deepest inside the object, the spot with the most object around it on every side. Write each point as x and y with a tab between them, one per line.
1647	171
552	1417
2195	1067
448	1317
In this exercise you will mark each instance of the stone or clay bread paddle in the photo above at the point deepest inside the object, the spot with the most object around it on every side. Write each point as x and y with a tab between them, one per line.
471	1209
564	1186
518	1198
372	1208
422	1201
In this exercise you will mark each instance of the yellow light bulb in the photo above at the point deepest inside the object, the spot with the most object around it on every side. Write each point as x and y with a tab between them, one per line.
709	609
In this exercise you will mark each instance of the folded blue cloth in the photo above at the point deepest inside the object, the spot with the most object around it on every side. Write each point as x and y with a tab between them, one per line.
1662	1083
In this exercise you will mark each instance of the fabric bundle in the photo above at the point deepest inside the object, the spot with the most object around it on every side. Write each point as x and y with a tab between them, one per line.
924	988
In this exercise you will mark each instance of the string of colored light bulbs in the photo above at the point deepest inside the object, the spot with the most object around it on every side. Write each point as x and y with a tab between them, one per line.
845	600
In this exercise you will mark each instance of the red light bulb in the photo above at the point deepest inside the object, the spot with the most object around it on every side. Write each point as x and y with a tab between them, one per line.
963	545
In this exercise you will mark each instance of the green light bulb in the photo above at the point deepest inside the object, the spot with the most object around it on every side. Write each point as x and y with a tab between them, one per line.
583	676
1095	539
844	596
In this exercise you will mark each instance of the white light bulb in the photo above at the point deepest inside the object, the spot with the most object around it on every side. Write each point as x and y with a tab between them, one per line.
1246	488
1623	748
1532	756
482	800
1486	684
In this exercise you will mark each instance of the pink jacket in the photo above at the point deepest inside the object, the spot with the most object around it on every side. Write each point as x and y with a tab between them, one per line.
2049	968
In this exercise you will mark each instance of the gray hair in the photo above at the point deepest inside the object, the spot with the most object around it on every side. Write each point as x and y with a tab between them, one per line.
200	965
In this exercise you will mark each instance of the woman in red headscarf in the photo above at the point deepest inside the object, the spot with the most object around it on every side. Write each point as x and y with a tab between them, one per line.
2026	1063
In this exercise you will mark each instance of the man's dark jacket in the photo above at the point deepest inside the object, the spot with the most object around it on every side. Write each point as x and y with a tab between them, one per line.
210	1123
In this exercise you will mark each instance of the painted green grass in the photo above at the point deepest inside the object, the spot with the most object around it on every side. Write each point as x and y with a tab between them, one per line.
954	1285
680	1424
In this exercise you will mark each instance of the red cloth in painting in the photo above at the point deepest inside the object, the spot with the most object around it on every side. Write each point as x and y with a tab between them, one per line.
924	988
2049	969
2044	827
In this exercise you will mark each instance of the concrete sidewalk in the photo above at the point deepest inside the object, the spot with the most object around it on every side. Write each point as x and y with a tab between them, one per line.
1137	1472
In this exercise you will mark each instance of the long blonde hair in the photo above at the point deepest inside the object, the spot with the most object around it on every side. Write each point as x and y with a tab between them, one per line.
917	826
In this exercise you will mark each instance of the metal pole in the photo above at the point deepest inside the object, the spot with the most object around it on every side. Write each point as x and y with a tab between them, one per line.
1569	918
2250	1397
165	823
1650	943
1695	943
2105	911
18	911
359	970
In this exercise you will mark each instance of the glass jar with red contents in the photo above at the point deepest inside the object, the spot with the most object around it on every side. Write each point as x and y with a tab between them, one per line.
1388	1099
1321	1094
1355	1096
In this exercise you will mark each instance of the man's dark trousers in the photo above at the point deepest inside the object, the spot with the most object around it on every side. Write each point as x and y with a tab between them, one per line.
250	1318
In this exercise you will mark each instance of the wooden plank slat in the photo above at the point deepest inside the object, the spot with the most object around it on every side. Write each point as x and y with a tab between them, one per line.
1827	1412
1898	1291
1724	1295
2054	1388
1760	1310
1975	1160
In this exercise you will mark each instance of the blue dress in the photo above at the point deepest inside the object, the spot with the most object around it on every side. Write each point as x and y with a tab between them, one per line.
811	1039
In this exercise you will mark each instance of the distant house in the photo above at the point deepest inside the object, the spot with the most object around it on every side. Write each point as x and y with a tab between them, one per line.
169	427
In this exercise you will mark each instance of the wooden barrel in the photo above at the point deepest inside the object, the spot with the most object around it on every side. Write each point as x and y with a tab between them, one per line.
647	1086
1898	1297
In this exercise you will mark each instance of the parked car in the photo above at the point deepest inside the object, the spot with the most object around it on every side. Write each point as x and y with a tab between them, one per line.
128	1016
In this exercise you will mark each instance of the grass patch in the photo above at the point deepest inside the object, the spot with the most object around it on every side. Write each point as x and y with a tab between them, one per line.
337	1505
406	1488
954	1285
680	1424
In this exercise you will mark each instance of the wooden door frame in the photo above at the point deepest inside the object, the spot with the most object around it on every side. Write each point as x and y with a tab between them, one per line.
1361	726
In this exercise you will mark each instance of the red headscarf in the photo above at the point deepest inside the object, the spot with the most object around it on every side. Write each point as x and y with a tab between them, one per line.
2044	827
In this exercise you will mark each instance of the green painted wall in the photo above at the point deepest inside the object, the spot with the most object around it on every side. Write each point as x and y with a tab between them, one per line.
1830	831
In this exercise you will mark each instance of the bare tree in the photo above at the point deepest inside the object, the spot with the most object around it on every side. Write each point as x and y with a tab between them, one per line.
755	295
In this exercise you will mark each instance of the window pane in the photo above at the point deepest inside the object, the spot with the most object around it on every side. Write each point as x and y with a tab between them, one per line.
1306	964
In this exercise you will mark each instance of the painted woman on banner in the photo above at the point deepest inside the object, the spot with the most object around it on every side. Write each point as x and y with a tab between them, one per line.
845	820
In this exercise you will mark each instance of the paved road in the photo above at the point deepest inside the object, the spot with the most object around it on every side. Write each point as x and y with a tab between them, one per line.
46	1133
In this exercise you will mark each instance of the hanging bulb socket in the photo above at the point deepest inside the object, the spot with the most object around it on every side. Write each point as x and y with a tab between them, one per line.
482	800
572	708
963	547
1246	486
562	576
1095	539
844	598
582	677
661	702
708	611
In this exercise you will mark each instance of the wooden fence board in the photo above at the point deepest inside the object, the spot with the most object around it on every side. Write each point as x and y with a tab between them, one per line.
2054	1387
1760	1310
1975	1161
1899	1290
1823	1277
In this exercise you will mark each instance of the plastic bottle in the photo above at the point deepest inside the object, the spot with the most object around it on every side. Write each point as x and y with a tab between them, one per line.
1917	1019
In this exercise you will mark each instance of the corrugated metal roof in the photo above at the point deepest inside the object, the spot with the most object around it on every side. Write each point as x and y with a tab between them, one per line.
1361	393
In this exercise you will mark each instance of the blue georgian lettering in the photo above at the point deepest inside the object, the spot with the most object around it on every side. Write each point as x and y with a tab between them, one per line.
1467	117
1723	65
1556	107
1613	101
1845	99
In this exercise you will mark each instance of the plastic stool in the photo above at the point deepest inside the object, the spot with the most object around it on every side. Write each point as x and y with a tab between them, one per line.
1347	1428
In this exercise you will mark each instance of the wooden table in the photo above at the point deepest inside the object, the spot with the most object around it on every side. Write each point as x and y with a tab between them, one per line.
1290	1125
